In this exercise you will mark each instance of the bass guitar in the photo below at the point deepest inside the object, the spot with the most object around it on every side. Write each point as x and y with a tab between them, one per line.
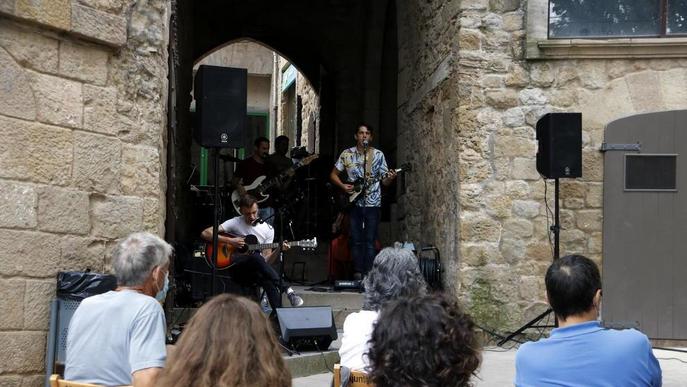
358	183
260	185
225	251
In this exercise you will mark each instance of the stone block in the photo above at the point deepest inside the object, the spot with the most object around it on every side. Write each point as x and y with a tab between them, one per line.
542	74
592	165
539	251
498	206
100	109
33	380
140	170
525	169
644	91
58	100
100	26
532	97
54	13
502	99
589	220
22	352
80	254
566	74
493	81
592	75
7	6
594	195
10	380
513	21
479	254
517	189
85	63
63	211
17	205
35	152
493	21
563	97
12	305
97	162
513	250
674	88
29	49
28	253
469	39
517	228
37	304
474	4
15	91
517	76
110	6
504	5
510	146
526	208
573	189
477	228
153	216
573	203
116	216
514	117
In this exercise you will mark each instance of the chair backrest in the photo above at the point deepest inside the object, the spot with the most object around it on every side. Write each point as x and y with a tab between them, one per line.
56	381
356	378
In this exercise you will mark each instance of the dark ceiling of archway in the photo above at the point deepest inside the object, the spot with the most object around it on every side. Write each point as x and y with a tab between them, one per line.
312	34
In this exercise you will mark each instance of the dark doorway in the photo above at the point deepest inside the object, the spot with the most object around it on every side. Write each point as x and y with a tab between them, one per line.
346	49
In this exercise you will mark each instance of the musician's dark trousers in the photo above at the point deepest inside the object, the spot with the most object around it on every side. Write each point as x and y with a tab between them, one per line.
364	224
248	269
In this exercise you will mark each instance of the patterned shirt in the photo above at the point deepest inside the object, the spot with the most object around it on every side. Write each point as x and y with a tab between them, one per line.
352	162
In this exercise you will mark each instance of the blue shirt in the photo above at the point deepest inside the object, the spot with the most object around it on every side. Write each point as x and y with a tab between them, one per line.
352	162
587	355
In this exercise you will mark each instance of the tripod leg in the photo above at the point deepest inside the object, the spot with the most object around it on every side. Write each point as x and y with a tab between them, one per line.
526	326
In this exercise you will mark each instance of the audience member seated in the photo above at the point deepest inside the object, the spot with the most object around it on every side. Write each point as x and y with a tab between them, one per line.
423	341
581	352
118	338
395	274
227	343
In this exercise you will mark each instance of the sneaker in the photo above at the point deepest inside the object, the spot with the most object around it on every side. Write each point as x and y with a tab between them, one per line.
295	299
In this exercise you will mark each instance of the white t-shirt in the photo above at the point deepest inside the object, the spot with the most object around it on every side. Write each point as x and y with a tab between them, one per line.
357	331
238	226
114	334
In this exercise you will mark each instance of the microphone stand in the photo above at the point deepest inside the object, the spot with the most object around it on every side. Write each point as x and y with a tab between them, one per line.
363	195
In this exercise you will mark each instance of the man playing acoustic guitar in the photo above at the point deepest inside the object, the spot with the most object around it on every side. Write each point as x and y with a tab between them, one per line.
363	162
254	267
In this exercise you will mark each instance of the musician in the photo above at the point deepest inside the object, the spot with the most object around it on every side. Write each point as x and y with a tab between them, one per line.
360	161
254	267
250	169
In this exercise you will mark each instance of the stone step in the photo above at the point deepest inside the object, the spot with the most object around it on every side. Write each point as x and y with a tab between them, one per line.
311	363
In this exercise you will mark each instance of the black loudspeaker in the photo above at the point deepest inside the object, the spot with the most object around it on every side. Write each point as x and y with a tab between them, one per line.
560	145
221	100
309	327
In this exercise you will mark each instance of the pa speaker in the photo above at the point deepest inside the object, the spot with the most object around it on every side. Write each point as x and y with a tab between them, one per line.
560	145
221	100
307	327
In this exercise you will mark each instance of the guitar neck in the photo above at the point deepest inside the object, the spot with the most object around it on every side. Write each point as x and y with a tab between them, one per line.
268	184
384	176
263	246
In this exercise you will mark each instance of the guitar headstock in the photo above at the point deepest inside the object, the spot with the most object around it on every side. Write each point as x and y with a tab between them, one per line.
308	244
309	159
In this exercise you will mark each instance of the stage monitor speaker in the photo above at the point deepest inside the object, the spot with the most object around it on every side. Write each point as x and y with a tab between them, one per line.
560	145
307	327
221	100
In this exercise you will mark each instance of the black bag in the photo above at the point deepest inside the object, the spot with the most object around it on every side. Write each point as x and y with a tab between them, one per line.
74	285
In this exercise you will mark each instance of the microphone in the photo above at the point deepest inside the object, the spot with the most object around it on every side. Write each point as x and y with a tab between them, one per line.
256	221
365	143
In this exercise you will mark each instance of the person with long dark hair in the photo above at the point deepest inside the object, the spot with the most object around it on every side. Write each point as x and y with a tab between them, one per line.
423	341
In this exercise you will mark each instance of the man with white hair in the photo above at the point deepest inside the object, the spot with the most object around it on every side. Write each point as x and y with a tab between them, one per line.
118	338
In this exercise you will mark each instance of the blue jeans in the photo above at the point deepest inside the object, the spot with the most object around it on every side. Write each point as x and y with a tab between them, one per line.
364	224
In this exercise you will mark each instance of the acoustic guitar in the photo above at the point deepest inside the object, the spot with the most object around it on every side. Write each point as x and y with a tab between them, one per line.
225	251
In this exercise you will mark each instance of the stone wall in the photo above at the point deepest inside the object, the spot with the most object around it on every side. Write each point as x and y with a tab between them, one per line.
487	141
82	158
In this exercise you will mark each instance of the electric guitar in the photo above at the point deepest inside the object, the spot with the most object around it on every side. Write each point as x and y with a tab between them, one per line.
225	251
260	186
358	183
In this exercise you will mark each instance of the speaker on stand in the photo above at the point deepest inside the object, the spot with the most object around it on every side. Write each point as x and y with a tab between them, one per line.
559	155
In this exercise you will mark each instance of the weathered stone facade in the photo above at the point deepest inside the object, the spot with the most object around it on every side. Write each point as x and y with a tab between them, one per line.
469	100
82	158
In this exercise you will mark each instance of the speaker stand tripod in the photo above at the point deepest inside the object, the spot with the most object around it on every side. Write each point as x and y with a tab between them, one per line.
556	229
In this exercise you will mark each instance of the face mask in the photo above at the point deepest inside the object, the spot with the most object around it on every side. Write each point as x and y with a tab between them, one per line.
162	294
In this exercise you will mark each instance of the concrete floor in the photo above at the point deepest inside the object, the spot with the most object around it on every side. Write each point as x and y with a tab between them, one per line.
498	370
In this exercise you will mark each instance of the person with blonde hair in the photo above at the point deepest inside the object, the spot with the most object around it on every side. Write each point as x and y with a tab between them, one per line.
227	343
